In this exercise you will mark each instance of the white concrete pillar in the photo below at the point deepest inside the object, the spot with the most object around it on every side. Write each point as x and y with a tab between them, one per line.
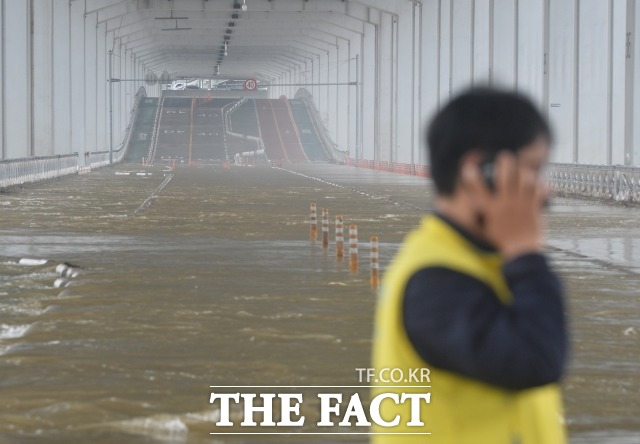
77	51
386	72
482	31
332	93
593	72
562	75
123	95
315	91
61	56
530	49
505	40
17	80
118	90
408	119
620	116
417	149
430	64
352	110
2	68
368	93
102	98
634	73
90	80
444	61
326	104
109	90
632	111
43	85
461	45
342	96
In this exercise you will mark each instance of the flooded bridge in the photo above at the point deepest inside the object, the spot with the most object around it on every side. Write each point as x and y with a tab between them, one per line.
158	163
212	280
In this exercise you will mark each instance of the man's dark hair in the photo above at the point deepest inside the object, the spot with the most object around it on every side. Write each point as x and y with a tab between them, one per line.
482	119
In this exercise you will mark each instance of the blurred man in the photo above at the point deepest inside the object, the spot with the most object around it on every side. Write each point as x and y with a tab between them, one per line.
470	294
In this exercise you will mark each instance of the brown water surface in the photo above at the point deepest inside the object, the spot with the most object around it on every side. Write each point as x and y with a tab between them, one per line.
205	277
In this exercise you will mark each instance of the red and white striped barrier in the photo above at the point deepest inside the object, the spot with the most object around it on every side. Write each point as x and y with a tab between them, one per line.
411	169
353	248
375	264
339	238
325	228
313	222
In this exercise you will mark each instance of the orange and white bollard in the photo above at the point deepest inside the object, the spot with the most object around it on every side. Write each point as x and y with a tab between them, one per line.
325	228
375	264
353	248
313	227
339	238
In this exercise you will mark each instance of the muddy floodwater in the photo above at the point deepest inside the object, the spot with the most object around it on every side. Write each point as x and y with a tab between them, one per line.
205	276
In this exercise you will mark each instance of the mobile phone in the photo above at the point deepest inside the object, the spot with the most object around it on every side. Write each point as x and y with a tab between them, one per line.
487	169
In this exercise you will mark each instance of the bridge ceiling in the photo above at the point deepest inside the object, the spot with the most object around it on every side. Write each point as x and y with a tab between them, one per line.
187	38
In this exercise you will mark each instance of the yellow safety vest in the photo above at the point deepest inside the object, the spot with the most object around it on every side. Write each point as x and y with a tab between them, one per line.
461	410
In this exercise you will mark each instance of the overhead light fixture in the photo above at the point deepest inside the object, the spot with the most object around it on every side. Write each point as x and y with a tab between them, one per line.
225	49
171	17
244	5
176	28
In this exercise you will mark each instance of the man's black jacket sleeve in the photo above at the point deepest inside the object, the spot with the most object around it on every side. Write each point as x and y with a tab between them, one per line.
455	322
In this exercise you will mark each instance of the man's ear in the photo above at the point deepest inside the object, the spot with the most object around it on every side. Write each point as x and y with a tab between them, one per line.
471	159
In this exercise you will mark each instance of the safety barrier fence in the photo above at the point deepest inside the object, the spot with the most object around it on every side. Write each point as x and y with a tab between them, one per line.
392	167
240	158
34	169
154	132
618	183
330	146
99	159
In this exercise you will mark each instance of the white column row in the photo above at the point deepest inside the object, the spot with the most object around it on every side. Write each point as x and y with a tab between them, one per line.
54	94
575	58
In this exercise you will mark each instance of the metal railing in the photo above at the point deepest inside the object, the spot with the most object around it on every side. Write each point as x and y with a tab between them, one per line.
154	132
392	167
619	183
329	145
34	169
99	159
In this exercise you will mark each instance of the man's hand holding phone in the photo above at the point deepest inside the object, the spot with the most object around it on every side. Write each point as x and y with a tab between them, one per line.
511	207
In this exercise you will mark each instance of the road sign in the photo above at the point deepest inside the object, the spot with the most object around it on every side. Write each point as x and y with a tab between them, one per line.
250	84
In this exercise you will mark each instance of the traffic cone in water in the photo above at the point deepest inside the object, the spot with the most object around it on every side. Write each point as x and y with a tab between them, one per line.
339	238
313	222
375	264
353	248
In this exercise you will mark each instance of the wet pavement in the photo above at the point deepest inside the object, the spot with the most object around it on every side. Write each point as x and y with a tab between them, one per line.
205	277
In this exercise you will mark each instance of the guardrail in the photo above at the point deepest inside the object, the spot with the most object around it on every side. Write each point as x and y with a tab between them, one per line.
97	159
392	167
329	145
34	169
618	183
154	132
